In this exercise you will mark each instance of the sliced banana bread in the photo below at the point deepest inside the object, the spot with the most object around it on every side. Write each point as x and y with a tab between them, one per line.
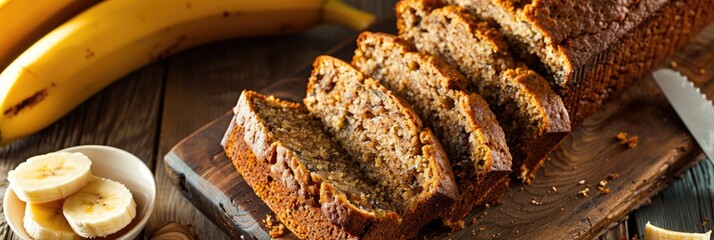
530	113
462	121
385	136
301	173
591	49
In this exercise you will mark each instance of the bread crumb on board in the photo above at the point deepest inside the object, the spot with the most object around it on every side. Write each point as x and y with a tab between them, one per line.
277	229
584	192
602	188
629	141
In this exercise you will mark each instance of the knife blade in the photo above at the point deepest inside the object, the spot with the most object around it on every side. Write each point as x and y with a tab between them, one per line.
693	107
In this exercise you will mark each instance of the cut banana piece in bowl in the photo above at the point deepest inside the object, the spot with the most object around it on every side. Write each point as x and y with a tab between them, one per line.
46	221
655	233
50	177
99	209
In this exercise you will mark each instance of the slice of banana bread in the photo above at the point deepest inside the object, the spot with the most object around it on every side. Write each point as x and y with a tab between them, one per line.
387	138
301	173
462	121
530	113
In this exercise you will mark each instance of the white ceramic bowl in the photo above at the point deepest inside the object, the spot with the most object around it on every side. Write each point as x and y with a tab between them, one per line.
107	162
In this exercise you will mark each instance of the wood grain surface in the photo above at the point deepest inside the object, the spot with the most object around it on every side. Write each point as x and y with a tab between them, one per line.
694	194
553	207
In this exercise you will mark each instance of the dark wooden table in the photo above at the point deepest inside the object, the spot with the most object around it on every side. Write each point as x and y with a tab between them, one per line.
150	110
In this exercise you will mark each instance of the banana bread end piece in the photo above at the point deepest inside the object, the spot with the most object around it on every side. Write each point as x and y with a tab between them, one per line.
301	173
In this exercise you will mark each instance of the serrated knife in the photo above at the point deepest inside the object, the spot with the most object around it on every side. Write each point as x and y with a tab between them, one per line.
693	107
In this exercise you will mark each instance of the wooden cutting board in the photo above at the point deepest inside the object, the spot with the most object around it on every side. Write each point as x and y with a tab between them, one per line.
553	207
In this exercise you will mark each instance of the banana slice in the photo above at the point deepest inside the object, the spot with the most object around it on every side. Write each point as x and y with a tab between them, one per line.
50	177
655	233
101	208
46	221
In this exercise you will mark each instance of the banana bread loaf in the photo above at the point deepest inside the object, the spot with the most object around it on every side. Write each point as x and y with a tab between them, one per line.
301	173
530	113
465	126
591	49
387	138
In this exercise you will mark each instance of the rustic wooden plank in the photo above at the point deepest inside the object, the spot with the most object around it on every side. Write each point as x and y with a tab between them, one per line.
537	211
125	115
620	231
687	206
204	83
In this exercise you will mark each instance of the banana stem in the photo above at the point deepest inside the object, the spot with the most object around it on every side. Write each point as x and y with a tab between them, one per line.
336	11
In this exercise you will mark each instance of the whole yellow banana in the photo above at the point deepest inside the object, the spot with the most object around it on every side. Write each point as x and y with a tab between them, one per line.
111	39
22	22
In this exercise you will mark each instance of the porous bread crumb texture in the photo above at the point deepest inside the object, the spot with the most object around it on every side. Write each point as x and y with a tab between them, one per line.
384	134
437	93
277	229
326	161
464	45
526	41
463	122
530	113
435	29
359	113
